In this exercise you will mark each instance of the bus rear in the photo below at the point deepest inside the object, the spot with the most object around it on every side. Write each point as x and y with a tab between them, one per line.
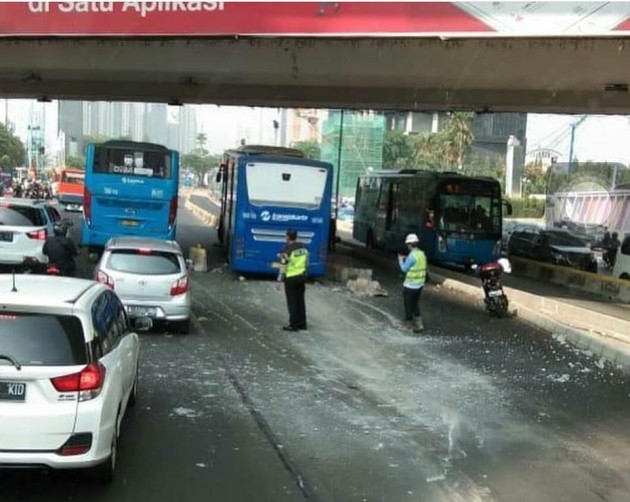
131	189
275	194
71	188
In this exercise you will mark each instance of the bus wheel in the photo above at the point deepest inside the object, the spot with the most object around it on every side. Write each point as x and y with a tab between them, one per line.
625	277
369	240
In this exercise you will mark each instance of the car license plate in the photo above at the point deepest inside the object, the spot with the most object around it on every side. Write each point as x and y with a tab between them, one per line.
495	293
130	223
12	391
141	311
6	236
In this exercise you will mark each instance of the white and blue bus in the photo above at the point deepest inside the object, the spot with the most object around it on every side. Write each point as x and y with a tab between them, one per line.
459	219
264	192
131	188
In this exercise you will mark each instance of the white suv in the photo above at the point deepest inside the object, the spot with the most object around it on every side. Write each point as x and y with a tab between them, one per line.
68	372
24	226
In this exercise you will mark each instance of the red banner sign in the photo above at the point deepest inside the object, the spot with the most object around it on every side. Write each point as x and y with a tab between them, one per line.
163	18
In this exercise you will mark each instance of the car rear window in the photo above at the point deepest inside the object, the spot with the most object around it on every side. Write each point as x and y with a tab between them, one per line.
20	216
144	262
564	239
42	339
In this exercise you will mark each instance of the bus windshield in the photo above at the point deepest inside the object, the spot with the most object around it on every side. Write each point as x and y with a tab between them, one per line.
129	162
286	185
470	210
73	178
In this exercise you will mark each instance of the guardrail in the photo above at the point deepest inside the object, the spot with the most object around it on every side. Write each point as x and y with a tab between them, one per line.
602	286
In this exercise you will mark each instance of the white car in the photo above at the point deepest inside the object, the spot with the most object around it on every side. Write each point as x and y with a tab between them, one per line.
151	278
622	261
24	226
68	372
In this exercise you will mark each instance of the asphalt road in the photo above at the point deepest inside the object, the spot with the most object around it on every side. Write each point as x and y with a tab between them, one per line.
356	409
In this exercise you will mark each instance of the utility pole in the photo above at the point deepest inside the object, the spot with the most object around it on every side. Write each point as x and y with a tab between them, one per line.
339	153
574	126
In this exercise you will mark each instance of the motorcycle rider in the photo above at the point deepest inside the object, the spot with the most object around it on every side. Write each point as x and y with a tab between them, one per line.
61	251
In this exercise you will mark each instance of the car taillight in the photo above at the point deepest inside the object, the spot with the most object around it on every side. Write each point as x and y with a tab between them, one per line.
87	206
172	215
88	383
78	444
38	235
103	278
180	286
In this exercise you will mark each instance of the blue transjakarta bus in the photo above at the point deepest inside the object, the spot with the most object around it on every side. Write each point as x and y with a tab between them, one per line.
130	189
458	218
264	192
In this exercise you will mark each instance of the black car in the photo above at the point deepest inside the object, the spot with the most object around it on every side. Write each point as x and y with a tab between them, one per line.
557	247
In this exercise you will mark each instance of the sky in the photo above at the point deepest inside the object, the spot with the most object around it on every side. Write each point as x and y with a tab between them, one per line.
597	138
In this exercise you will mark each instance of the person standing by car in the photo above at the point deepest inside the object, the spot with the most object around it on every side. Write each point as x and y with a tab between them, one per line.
61	251
414	265
611	249
296	257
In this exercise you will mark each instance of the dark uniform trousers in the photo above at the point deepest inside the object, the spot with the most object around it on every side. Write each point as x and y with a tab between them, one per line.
294	288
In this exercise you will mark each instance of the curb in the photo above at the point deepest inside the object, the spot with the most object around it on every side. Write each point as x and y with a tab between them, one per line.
205	217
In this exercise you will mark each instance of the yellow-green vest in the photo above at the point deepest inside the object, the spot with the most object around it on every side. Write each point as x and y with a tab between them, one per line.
417	275
298	263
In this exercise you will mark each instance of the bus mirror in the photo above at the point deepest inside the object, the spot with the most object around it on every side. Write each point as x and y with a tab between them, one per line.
218	178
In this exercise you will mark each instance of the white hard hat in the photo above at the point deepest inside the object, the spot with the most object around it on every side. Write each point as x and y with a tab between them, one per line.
412	239
506	265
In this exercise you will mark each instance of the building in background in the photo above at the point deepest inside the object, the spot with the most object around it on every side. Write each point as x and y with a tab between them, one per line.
491	131
362	136
70	125
175	127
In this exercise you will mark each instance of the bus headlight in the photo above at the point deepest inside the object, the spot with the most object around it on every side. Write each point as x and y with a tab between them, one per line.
442	245
497	249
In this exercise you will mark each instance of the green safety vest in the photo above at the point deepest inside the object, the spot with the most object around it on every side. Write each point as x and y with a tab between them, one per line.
417	275
298	263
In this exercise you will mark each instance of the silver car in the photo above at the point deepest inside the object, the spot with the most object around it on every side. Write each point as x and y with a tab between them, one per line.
151	278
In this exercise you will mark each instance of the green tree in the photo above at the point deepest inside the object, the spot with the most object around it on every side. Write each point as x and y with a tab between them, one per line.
75	161
201	141
311	149
449	148
398	151
12	152
457	137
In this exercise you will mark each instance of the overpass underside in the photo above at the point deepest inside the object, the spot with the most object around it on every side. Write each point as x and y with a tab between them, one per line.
491	74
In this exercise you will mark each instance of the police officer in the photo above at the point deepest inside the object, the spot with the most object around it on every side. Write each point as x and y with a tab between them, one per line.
295	256
414	265
61	251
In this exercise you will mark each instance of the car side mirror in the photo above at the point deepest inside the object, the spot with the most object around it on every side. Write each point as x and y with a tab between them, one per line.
142	324
189	264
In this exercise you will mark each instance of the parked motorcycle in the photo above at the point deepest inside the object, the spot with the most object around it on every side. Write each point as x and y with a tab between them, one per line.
495	298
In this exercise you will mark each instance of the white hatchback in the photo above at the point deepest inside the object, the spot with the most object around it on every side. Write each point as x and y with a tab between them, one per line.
24	226
68	372
151	278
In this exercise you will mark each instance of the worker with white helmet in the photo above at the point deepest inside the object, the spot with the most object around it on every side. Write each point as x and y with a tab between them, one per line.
414	265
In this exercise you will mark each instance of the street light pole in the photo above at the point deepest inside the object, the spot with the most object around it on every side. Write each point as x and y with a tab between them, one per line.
339	153
573	126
